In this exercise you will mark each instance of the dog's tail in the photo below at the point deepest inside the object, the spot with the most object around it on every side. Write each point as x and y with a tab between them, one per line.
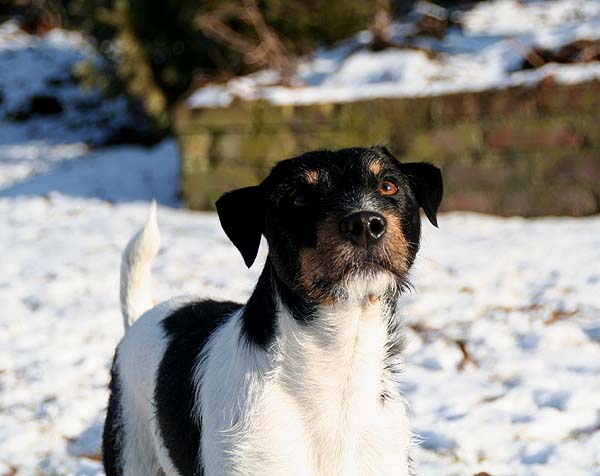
136	297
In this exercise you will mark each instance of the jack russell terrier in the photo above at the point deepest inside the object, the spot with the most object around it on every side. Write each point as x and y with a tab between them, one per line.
301	380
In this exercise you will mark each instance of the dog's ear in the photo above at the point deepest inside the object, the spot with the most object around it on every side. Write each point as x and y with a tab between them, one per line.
242	216
426	183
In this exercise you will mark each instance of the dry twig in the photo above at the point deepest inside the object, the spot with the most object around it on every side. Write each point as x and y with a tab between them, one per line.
266	51
530	55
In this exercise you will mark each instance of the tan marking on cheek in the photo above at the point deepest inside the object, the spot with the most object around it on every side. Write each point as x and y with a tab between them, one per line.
311	176
310	273
396	245
375	167
327	262
310	266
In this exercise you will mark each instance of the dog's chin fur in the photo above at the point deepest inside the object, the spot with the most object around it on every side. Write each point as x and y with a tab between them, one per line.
364	286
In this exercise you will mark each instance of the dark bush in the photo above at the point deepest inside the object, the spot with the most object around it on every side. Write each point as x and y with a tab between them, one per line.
162	51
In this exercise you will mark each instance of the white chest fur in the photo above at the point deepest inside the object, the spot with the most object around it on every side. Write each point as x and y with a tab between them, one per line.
310	406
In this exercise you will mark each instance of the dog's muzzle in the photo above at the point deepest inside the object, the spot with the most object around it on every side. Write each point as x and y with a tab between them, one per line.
363	229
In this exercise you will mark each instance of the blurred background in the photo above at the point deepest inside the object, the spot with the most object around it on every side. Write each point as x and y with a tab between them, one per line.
108	104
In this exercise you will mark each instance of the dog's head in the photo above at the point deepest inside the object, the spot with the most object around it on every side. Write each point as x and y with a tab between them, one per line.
329	217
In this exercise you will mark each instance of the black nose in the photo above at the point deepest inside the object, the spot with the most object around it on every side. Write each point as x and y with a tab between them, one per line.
363	228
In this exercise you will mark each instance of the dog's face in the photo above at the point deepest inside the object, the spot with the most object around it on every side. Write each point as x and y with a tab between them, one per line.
332	216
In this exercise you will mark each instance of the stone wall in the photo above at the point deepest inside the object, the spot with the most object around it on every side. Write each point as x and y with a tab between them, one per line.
519	151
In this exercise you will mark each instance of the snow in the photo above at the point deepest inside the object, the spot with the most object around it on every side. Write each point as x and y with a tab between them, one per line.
113	174
484	54
529	405
46	66
521	296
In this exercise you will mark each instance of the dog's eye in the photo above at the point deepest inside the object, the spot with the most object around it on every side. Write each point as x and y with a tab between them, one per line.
387	187
301	198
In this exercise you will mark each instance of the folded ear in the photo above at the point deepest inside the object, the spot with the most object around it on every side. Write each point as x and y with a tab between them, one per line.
426	183
242	216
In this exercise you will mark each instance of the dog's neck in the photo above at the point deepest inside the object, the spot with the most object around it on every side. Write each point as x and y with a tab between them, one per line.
334	363
272	296
364	322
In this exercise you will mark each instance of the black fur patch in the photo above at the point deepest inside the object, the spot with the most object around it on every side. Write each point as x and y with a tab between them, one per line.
188	330
259	313
301	309
111	449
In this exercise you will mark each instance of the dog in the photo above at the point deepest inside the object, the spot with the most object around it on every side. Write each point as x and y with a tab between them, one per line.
302	378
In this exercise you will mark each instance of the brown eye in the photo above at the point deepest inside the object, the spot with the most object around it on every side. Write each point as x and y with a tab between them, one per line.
387	187
300	198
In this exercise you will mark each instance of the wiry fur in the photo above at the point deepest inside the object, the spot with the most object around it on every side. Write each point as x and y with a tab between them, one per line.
300	380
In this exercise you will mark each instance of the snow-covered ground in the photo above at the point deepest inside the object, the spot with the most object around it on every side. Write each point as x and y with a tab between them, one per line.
486	53
523	296
503	362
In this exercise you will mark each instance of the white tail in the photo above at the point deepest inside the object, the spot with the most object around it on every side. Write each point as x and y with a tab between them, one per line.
136	297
